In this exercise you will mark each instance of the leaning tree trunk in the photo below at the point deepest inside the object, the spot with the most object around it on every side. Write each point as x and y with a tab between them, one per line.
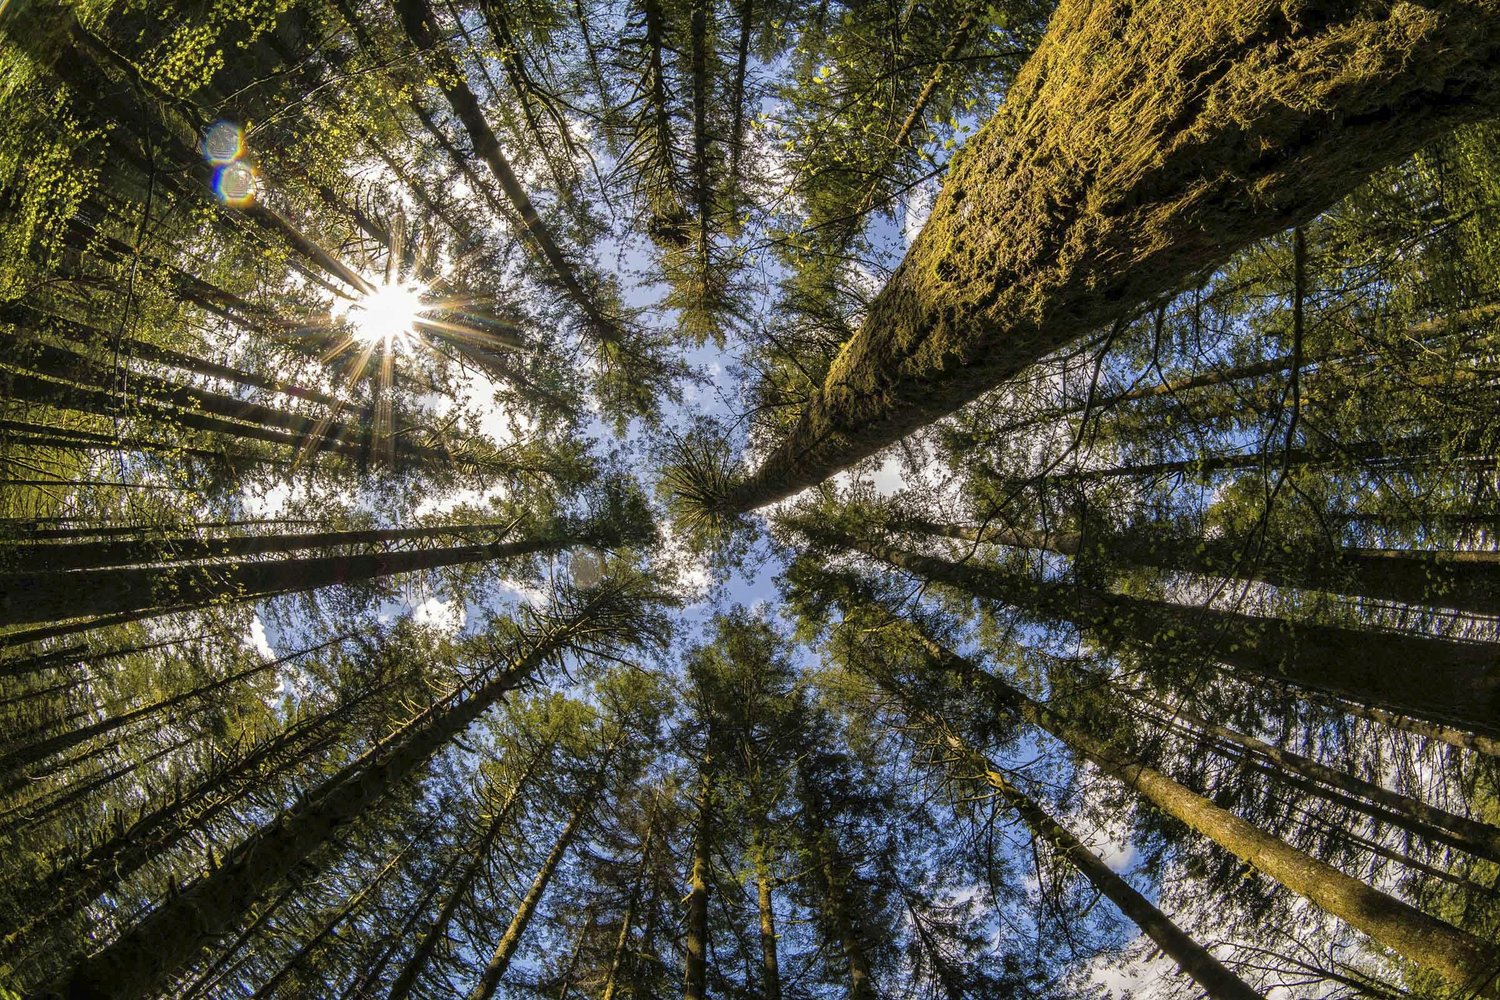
1404	811
406	980
270	986
140	592
143	959
1454	954
38	750
494	971
1468	581
422	28
1194	959
1140	145
1439	679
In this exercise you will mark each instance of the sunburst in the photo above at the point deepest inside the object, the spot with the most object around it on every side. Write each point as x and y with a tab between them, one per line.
387	316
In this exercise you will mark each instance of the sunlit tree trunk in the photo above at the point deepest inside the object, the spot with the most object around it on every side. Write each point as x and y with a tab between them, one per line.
1454	954
1408	813
1139	146
1194	959
494	970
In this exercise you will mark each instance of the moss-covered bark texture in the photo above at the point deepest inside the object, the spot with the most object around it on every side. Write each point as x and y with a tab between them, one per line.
1142	144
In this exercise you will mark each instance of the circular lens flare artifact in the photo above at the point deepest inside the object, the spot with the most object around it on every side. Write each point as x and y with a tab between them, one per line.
234	183
223	143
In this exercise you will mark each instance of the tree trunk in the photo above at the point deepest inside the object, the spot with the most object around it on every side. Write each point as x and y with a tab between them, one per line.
54	557
770	967
268	989
836	874
1426	941
31	753
695	971
627	922
1408	813
1194	959
1439	679
1138	146
1468	581
421	27
499	962
478	858
143	958
139	592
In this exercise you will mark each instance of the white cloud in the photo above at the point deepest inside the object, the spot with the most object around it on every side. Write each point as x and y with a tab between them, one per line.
440	615
257	640
916	207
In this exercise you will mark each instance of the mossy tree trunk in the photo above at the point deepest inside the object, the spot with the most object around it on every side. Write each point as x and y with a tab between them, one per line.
1140	145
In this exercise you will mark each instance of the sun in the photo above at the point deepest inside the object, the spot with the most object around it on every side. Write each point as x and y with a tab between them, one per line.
387	315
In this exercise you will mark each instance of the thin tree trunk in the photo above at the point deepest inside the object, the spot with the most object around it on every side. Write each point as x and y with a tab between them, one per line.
1138	146
1194	959
147	592
1409	813
1428	942
1468	580
627	922
406	980
770	966
1461	321
31	753
143	958
494	970
421	27
270	986
55	557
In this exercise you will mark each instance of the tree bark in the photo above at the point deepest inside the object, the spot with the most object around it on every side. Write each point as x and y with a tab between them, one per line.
1194	959
421	27
494	971
1409	813
144	958
1137	147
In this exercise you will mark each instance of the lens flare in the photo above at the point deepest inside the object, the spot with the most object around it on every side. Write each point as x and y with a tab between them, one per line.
223	143
387	316
234	183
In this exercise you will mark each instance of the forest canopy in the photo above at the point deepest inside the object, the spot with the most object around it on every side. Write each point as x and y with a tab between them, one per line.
627	499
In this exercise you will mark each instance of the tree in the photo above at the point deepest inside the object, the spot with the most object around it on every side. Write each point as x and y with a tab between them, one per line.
977	298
